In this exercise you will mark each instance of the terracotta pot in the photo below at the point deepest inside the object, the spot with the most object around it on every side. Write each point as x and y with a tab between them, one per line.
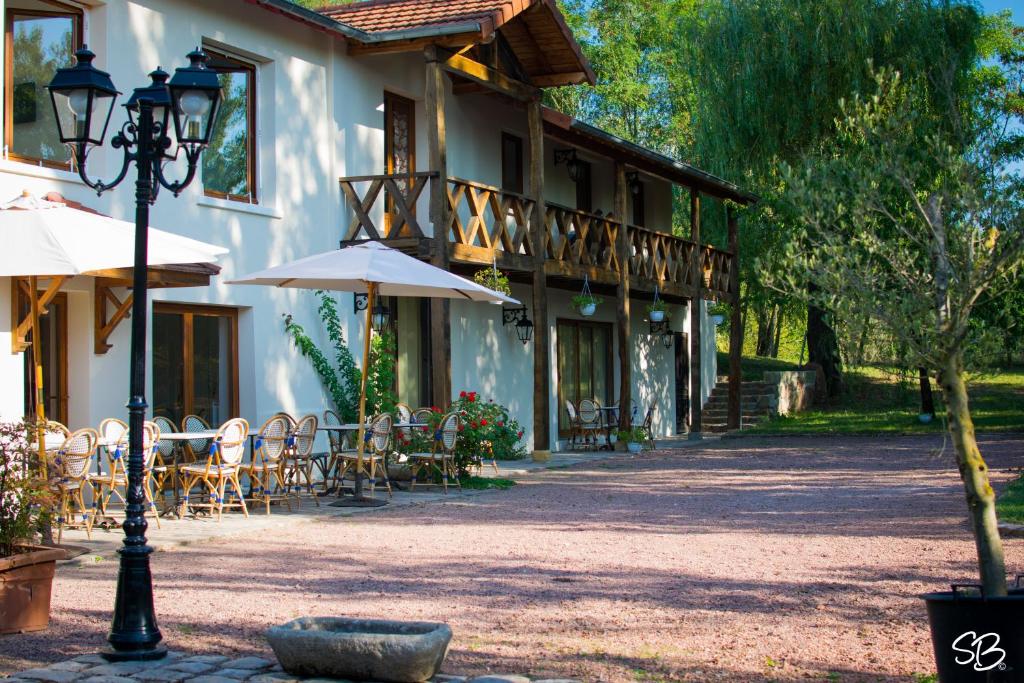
25	583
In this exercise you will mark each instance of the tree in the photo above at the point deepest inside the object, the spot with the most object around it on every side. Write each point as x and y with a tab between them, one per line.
910	217
767	78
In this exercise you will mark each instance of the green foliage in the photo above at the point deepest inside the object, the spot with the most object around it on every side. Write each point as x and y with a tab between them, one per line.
486	483
1010	504
633	435
24	498
343	379
492	278
657	305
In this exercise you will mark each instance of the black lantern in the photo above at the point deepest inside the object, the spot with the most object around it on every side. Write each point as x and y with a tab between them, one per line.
159	94
195	96
667	339
571	161
381	318
634	183
83	98
523	325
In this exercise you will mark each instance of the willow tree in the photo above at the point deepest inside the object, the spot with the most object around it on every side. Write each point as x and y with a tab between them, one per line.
767	79
912	220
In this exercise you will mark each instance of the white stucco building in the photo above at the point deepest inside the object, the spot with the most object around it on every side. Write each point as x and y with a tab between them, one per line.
326	118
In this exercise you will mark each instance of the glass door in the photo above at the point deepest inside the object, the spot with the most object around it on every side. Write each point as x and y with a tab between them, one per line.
53	333
584	365
195	362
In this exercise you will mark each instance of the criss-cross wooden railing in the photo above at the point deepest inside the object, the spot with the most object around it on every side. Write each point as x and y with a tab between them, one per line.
482	217
486	223
578	238
397	215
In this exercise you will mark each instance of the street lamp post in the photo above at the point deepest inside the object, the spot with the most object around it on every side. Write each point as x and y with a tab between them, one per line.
83	98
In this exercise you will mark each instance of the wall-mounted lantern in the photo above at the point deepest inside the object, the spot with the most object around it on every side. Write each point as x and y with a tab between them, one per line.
634	182
571	161
523	325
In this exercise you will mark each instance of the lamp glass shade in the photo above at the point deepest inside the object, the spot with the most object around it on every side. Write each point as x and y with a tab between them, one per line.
159	95
524	330
667	339
83	99
381	318
195	99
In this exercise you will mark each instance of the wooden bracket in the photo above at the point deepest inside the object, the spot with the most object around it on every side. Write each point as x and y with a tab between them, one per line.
21	284
102	325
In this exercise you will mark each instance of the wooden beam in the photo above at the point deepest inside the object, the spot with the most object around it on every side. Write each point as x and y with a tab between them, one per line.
696	405
414	45
472	70
103	326
551	80
440	309
18	343
622	315
735	325
541	329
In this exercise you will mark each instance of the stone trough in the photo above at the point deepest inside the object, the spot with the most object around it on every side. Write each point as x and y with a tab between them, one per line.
361	649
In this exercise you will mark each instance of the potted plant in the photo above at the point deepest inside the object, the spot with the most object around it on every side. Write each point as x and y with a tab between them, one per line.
492	278
26	569
586	304
634	438
656	310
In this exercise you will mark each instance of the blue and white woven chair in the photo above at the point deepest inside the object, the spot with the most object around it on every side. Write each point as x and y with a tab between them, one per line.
113	436
441	458
267	469
70	478
222	466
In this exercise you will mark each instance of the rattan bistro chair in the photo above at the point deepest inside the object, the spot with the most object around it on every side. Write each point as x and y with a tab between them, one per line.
113	434
336	444
106	485
573	418
377	444
222	467
299	456
71	477
267	469
196	449
441	458
590	421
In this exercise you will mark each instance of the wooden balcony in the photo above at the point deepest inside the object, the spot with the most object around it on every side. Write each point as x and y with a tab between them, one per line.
486	224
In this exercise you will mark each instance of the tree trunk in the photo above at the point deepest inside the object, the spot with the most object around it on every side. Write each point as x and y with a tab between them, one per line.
778	333
981	499
823	347
764	331
927	401
863	340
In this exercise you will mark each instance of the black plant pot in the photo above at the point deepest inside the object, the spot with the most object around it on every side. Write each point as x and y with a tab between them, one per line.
977	639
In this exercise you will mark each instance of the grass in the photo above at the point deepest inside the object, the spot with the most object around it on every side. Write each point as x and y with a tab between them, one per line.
753	367
1010	505
880	401
486	483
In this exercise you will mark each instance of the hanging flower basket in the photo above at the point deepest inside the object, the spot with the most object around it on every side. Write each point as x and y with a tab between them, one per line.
492	278
585	302
656	309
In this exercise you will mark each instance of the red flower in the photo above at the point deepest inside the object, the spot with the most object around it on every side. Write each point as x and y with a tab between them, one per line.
501	424
520	434
435	409
461	427
462	394
472	396
472	425
483	423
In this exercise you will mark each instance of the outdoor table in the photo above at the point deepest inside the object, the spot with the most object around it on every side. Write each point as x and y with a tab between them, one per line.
608	415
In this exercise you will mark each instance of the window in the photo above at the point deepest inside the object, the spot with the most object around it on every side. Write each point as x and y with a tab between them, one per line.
584	365
511	163
40	38
639	219
584	198
195	362
229	165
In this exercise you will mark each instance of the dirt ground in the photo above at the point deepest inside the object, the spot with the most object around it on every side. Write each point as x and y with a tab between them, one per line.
745	560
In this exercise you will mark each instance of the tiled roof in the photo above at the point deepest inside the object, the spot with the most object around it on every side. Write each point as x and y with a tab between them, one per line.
377	16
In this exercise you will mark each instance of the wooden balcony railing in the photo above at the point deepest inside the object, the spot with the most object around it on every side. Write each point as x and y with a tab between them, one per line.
487	224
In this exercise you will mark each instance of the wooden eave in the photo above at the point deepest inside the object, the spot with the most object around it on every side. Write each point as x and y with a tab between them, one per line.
570	131
161	277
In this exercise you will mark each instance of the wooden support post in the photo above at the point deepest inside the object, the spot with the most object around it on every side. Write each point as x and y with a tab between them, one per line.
696	404
440	309
541	329
622	293
735	326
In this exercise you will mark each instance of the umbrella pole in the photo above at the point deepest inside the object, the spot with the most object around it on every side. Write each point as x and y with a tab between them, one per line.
37	361
358	499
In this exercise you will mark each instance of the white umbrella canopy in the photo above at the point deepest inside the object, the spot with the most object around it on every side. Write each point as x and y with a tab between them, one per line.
353	268
377	270
49	238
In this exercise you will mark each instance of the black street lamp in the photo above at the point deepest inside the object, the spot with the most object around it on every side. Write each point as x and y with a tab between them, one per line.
83	99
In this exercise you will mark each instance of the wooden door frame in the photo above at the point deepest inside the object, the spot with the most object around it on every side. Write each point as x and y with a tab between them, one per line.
577	324
188	311
59	307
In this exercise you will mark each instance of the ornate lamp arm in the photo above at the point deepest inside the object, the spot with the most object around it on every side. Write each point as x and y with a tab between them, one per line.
126	140
192	156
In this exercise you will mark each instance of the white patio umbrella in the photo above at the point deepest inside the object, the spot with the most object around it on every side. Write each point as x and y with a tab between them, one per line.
376	270
41	238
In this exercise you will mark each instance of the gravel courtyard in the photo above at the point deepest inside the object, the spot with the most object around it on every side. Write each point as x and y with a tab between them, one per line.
745	560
